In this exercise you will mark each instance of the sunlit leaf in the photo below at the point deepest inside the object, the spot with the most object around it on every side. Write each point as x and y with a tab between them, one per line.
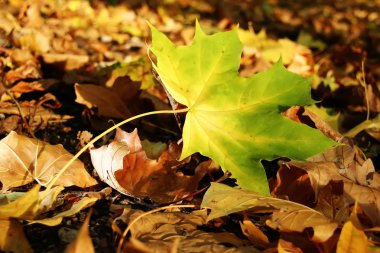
287	215
25	160
235	121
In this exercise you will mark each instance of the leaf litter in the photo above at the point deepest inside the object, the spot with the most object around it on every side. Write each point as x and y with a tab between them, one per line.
52	53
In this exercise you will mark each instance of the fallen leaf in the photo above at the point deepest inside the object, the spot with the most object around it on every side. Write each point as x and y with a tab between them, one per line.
343	163
124	166
25	160
67	61
83	203
158	232
39	116
30	69
271	50
108	102
287	215
230	115
254	234
352	240
138	71
25	207
372	127
83	241
287	247
294	185
10	123
30	204
33	39
331	202
12	237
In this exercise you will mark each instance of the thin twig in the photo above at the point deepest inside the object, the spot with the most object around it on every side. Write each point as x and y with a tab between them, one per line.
20	112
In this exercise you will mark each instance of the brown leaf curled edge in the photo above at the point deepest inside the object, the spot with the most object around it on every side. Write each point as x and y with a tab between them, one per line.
125	166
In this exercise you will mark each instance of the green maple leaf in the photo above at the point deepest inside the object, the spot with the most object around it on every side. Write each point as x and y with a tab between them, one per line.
236	121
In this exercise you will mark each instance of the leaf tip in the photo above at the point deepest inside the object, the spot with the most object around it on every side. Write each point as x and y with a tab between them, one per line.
198	28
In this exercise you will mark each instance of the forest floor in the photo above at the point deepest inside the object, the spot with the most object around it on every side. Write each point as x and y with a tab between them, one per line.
72	69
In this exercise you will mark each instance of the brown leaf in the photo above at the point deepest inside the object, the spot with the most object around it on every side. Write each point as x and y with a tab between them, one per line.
9	124
294	184
25	160
306	116
343	163
124	165
66	61
107	101
37	115
254	234
40	85
28	70
331	202
159	231
287	247
287	215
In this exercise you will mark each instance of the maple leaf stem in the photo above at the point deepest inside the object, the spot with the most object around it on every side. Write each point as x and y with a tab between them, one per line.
90	144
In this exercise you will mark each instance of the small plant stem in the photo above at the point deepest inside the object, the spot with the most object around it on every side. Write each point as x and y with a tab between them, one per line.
119	247
90	144
364	83
20	112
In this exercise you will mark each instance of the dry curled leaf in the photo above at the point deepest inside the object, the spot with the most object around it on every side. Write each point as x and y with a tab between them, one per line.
25	160
287	215
343	163
124	166
159	231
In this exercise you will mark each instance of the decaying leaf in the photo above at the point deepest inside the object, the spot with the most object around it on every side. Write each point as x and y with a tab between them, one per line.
109	102
331	202
254	234
159	231
236	121
12	238
343	163
124	166
287	215
120	98
83	241
39	116
25	160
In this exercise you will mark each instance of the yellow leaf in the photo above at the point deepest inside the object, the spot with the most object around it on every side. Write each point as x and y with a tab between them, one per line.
24	207
83	241
76	208
352	240
30	204
12	238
